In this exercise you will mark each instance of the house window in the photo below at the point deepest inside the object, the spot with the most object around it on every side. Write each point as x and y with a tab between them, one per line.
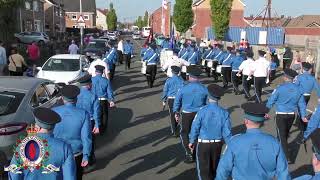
27	5
74	17
35	5
86	17
37	25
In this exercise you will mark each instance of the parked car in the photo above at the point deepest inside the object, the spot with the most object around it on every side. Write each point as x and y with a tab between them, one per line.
112	35
146	31
96	48
29	37
64	68
136	35
18	97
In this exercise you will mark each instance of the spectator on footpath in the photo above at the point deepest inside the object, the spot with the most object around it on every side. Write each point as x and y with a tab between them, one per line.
297	63
16	63
287	57
311	59
3	59
33	52
73	48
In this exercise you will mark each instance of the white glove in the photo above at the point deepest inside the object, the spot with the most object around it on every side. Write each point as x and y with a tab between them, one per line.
249	78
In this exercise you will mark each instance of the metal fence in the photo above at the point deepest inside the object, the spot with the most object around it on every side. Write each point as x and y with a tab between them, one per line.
254	35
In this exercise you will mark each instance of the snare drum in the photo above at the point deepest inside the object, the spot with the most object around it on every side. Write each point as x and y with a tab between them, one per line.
218	70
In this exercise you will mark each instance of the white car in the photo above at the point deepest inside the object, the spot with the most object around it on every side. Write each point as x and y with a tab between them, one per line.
146	31
112	35
64	68
136	35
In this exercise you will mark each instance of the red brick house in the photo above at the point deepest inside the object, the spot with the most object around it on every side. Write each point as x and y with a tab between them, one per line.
302	29
202	16
156	19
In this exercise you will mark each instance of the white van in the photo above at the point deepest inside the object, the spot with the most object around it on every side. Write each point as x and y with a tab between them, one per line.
146	31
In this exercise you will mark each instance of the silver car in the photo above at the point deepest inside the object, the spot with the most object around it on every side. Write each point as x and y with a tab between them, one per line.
29	37
18	97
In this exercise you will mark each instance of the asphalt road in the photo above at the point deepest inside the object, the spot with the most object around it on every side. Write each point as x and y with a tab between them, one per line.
137	144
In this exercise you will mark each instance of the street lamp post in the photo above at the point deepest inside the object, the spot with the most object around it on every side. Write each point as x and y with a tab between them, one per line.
81	30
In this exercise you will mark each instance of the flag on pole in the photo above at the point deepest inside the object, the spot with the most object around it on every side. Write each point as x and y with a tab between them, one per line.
172	39
163	20
165	4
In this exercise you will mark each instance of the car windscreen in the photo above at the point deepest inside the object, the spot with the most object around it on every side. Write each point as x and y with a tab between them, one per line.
97	44
55	64
9	102
147	29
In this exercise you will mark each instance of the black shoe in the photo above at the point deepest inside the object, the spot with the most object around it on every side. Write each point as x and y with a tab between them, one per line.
89	168
189	159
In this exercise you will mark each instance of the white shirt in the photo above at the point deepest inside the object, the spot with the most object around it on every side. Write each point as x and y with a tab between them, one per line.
260	67
73	49
92	69
174	61
245	66
120	46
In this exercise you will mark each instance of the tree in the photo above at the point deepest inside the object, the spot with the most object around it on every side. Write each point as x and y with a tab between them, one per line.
10	3
220	16
8	20
139	22
146	19
112	18
183	15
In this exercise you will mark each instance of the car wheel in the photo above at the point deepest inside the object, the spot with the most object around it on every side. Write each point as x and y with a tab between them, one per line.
41	43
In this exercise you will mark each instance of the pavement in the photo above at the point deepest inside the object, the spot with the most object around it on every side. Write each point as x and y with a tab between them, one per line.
137	144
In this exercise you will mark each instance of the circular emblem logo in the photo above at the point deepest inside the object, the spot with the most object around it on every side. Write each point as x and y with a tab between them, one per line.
32	151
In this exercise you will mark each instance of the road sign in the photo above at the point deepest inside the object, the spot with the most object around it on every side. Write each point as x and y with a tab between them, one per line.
80	19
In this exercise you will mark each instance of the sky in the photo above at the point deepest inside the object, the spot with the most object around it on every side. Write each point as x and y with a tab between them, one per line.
128	10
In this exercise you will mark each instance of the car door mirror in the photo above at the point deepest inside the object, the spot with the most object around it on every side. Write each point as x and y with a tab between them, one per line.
38	68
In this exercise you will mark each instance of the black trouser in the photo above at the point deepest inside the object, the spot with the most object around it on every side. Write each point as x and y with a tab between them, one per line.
236	80
112	71
259	83
13	73
286	63
226	73
284	123
78	160
209	70
246	85
127	58
185	127
208	156
151	74
92	158
272	75
120	57
183	75
173	121
104	104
